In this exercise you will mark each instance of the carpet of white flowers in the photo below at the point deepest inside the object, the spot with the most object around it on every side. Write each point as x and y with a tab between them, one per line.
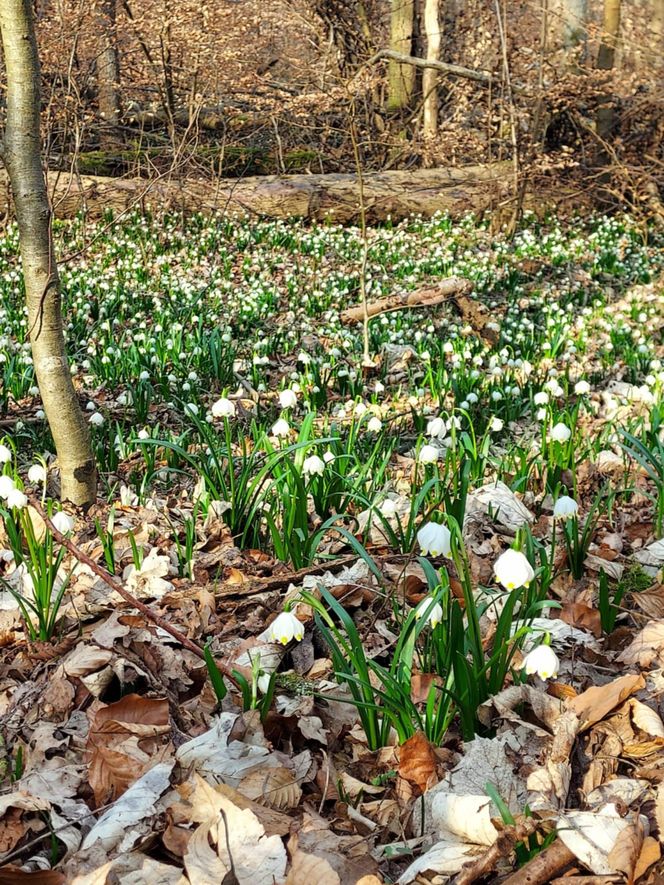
417	599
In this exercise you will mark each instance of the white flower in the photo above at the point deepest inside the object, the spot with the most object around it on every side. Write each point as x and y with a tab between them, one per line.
328	457
436	427
7	485
565	507
37	473
428	455
191	409
435	615
496	425
435	539
143	433
560	432
5	454
223	408
313	465
542	660
96	418
17	499
287	399
379	387
541	398
63	522
375	425
541	415
388	507
286	627
581	388
359	410
280	428
513	570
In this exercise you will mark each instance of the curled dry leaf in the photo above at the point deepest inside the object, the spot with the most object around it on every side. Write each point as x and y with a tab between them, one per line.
272	787
593	704
307	869
417	762
647	647
624	855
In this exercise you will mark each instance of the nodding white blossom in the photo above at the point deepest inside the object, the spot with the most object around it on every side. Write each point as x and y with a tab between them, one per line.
63	522
313	465
375	425
191	409
96	419
17	499
436	428
435	539
287	399
7	485
541	398
359	410
496	425
37	473
513	570
565	508
328	457
541	415
560	432
5	454
581	388
223	408
542	660
379	387
281	427
286	627
388	507
143	433
434	614
428	455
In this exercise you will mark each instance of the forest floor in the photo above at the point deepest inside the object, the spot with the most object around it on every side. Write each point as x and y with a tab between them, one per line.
335	620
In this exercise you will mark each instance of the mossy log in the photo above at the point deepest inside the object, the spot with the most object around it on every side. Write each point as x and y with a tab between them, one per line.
334	197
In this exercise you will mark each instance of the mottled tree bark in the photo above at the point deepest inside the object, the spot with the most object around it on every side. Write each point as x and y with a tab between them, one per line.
605	61
108	74
22	157
430	77
401	78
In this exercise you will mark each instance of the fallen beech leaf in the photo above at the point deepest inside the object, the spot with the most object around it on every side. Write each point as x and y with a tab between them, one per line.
307	869
646	647
624	855
583	616
650	854
13	876
272	787
592	705
417	762
646	719
420	685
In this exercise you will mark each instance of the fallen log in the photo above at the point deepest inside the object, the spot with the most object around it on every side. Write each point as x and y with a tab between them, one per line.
427	296
331	197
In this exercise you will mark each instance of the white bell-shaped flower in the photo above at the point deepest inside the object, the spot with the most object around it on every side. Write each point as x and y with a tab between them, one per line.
5	454
542	660
435	539
565	508
17	499
63	522
560	432
223	408
428	455
287	399
281	427
513	570
434	612
7	485
313	466
286	627
37	474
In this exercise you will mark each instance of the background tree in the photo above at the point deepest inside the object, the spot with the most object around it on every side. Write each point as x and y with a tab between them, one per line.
21	152
108	73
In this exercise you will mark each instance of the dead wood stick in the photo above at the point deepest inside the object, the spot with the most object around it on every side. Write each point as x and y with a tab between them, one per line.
501	848
423	297
542	868
114	584
588	880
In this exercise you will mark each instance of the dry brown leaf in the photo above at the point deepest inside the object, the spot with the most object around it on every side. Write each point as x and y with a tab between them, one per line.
646	647
272	787
14	876
650	854
592	705
417	762
659	810
307	869
124	740
576	614
646	719
625	854
420	685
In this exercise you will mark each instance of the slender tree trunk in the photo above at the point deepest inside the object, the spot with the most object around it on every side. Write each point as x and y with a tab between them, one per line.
108	74
22	157
401	77
568	20
432	20
605	62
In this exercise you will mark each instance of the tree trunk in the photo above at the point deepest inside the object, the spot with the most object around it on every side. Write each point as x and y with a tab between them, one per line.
333	197
430	76
568	36
22	157
108	75
401	78
610	30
